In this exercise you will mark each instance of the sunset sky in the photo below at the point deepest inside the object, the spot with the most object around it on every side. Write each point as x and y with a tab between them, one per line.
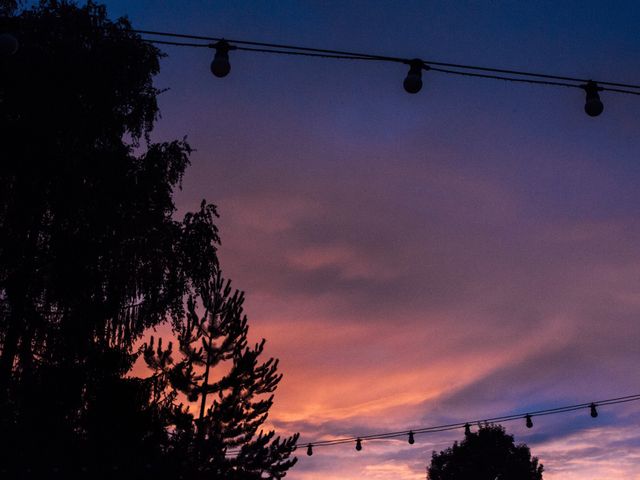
466	252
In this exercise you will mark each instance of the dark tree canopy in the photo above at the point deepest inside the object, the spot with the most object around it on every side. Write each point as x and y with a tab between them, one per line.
91	256
487	454
8	6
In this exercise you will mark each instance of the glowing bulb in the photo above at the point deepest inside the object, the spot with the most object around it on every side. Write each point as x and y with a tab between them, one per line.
8	44
411	439
220	65
413	82
594	412
529	421
358	444
467	429
310	450
593	105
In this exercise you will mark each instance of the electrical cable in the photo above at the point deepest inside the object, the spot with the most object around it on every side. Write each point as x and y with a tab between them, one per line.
305	54
176	44
526	80
264	50
272	45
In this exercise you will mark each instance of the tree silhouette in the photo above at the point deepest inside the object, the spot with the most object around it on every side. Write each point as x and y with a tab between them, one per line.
90	254
212	337
487	454
8	6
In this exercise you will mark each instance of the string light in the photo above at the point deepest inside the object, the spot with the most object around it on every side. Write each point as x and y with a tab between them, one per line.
310	450
413	81
220	65
466	425
593	105
411	439
594	412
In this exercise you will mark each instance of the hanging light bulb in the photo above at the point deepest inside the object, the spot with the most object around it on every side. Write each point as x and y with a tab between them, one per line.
220	65
413	82
593	105
411	439
310	450
594	412
358	444
529	421
8	44
467	429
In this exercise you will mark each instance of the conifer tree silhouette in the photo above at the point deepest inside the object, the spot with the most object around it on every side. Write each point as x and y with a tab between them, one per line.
212	338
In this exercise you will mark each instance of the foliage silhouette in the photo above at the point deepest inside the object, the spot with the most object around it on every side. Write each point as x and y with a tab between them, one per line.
488	454
212	338
8	6
91	257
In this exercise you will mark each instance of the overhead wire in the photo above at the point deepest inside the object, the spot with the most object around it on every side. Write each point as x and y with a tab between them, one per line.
304	54
271	45
176	44
499	77
528	80
265	50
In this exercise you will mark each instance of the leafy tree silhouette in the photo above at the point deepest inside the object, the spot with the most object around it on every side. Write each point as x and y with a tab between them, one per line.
91	256
488	454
